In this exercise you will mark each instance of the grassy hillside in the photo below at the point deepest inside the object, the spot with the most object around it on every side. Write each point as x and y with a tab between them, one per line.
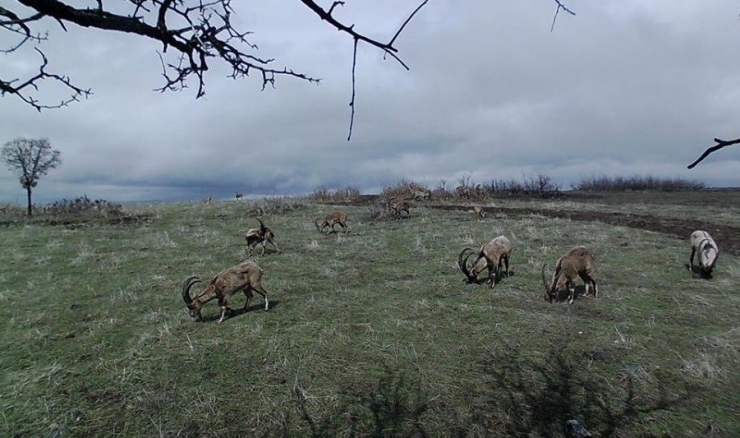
370	334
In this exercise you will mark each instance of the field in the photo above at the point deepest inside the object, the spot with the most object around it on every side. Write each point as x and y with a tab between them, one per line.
372	333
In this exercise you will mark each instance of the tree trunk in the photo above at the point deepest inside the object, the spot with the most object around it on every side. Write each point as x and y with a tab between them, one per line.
28	191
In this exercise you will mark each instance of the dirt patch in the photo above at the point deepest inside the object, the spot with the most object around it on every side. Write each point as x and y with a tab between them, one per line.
727	237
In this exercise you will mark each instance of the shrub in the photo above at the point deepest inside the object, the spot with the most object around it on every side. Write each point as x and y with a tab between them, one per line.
346	194
636	183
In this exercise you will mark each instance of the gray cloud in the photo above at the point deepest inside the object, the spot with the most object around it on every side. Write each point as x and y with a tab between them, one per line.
625	88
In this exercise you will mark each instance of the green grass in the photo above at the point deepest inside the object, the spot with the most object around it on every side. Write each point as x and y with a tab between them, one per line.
369	334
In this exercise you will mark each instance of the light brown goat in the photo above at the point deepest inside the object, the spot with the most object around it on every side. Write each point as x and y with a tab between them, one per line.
331	219
260	236
702	242
245	277
396	208
491	255
577	262
478	210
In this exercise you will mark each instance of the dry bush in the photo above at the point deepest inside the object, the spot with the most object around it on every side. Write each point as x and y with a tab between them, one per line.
80	205
276	205
403	189
636	183
346	194
377	212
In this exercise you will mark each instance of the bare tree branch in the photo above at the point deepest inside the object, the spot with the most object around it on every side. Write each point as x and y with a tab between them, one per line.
199	31
387	48
557	11
720	144
352	100
18	90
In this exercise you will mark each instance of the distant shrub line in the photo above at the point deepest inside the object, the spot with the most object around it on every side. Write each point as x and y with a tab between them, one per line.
539	186
637	183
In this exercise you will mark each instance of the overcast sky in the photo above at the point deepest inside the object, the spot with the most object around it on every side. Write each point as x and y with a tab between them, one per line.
626	87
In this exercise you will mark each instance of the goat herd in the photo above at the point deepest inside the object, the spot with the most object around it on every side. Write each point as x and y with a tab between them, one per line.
492	256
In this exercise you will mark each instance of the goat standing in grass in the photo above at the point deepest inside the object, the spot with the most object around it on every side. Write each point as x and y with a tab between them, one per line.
708	250
246	277
331	219
577	262
260	236
396	208
493	255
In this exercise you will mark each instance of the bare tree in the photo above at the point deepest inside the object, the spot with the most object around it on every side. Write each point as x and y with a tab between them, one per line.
197	31
32	159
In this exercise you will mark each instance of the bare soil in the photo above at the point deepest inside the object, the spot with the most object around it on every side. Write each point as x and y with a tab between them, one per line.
727	237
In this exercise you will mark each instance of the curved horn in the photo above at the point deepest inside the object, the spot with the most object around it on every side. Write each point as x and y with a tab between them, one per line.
186	285
262	226
463	263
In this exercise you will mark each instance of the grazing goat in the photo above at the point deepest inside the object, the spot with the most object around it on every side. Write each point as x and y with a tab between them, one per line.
331	219
208	199
708	250
239	196
396	208
578	262
246	277
491	255
479	211
260	236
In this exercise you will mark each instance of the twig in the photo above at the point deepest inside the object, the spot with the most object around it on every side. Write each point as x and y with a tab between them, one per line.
557	11
352	101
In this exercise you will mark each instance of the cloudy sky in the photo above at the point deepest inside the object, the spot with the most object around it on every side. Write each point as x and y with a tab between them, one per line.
626	87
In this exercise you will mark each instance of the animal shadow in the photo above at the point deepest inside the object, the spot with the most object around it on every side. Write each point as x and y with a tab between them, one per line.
698	272
239	311
562	294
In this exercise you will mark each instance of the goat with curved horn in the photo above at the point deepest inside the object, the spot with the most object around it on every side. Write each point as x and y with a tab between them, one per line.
245	277
492	256
577	262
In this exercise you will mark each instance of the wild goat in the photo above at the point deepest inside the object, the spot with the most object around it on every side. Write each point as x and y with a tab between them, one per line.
491	256
331	219
479	211
207	200
396	208
708	250
260	236
246	277
577	262
239	196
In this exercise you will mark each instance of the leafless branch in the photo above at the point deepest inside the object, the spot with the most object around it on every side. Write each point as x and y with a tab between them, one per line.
720	144
557	11
408	19
198	31
352	101
19	90
387	48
